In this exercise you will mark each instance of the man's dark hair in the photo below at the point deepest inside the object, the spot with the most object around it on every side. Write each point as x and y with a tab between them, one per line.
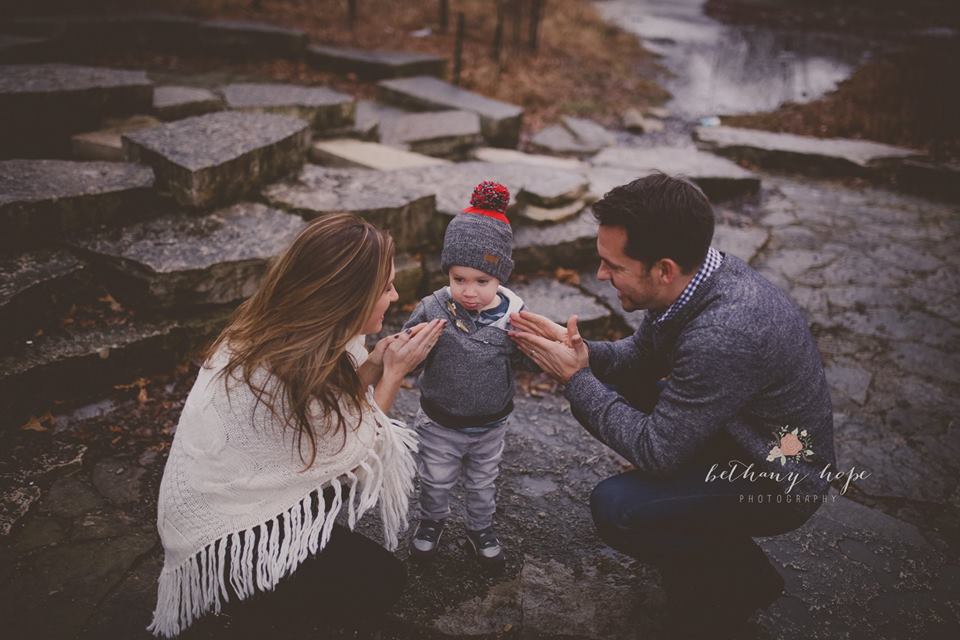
665	217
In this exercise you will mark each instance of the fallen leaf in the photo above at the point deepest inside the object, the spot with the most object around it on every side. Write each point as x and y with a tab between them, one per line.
567	276
33	424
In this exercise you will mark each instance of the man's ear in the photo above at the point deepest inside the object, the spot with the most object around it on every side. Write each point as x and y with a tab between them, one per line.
666	270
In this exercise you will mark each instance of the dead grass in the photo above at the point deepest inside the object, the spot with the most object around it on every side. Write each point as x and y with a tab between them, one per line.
583	66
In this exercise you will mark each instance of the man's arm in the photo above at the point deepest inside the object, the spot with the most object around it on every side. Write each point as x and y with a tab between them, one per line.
630	356
716	373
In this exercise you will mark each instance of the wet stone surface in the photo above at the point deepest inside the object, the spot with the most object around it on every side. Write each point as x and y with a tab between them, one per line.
177	260
323	108
35	288
53	196
558	301
215	158
359	154
570	244
390	200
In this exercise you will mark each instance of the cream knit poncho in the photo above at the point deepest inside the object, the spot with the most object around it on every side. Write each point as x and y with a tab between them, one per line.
234	474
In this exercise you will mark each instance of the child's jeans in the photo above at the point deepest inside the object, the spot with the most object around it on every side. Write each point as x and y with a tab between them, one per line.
443	453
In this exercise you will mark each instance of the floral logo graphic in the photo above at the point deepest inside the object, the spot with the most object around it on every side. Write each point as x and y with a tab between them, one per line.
791	443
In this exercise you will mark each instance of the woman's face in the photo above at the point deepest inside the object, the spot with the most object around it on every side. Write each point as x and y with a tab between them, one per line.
375	322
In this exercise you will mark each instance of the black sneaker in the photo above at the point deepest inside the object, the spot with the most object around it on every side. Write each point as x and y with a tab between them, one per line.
487	546
426	538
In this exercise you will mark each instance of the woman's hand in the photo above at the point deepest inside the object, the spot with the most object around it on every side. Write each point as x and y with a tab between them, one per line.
376	356
409	348
401	355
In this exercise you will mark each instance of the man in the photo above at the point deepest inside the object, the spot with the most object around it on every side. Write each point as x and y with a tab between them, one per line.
723	375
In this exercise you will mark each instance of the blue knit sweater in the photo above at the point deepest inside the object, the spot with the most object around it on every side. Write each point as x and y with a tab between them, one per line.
738	357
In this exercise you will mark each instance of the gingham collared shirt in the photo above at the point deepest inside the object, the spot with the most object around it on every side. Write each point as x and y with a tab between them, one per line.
710	264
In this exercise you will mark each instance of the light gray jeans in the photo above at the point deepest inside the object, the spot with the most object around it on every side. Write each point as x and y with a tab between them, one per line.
444	453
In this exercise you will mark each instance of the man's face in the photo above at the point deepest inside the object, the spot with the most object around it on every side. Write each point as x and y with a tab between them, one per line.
636	285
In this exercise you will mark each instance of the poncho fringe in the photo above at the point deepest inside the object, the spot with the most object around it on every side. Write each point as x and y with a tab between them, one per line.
198	585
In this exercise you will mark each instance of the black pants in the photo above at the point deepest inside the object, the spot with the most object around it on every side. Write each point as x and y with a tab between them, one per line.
348	585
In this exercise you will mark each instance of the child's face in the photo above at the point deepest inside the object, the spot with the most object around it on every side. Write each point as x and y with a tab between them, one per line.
472	288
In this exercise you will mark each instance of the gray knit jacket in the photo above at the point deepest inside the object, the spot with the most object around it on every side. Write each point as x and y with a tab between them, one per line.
468	378
740	359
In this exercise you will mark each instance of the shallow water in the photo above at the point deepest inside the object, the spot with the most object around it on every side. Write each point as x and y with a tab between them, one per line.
722	69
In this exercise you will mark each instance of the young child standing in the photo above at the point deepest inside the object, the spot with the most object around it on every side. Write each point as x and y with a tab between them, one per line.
467	384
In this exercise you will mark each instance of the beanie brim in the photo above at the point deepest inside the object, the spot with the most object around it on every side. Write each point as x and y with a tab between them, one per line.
496	215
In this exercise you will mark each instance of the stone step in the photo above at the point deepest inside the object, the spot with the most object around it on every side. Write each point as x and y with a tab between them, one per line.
36	288
79	33
409	278
447	134
817	156
501	122
743	242
494	154
588	132
178	260
608	295
323	108
375	65
213	159
244	39
931	179
45	198
557	140
719	178
551	215
81	364
392	200
42	104
14	48
174	103
357	154
106	144
528	184
370	113
558	301
571	244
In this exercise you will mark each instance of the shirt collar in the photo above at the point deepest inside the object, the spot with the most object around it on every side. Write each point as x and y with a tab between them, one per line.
710	264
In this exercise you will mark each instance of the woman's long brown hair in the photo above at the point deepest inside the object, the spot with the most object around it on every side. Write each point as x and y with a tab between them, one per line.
313	300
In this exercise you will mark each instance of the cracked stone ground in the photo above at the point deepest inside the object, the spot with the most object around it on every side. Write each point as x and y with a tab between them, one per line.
877	274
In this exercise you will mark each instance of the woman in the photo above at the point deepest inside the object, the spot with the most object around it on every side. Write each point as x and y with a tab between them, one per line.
281	432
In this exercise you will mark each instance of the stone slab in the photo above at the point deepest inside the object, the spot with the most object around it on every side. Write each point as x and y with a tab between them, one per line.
719	178
743	242
177	260
435	133
42	104
369	113
215	158
50	197
931	179
375	65
551	215
85	363
528	184
175	102
605	292
569	244
323	108
348	153
106	144
409	278
245	39
394	202
558	140
501	122
35	288
511	156
14	48
603	179
588	132
558	301
819	156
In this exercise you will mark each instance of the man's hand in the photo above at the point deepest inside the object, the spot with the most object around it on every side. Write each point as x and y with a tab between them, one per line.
560	359
529	322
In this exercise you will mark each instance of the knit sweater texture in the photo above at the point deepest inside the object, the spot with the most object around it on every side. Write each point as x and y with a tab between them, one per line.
468	378
234	474
737	357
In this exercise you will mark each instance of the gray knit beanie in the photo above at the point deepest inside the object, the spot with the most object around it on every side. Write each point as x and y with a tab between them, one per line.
481	236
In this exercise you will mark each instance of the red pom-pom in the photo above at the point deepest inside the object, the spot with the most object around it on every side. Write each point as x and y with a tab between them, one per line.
491	196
